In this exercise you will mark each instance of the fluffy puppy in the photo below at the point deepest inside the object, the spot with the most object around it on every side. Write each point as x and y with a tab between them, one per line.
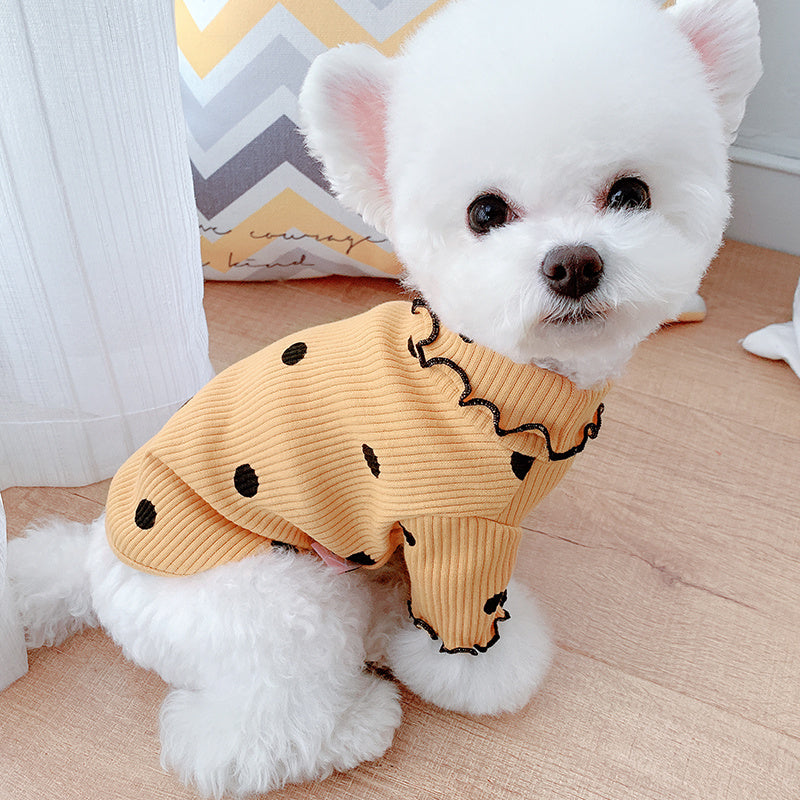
553	176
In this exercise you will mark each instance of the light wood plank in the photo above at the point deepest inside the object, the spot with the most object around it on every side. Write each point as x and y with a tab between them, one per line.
28	505
242	322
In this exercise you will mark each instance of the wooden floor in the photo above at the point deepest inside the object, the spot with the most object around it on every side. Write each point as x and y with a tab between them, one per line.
668	560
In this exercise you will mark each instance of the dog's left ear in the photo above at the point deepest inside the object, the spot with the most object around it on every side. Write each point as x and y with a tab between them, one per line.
343	106
726	35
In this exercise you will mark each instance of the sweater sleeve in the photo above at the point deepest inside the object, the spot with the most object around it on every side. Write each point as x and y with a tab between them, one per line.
459	570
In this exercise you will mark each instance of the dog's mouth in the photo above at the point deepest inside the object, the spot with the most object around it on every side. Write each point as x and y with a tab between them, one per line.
577	314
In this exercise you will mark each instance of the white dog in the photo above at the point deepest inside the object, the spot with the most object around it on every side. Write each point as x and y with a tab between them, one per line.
553	176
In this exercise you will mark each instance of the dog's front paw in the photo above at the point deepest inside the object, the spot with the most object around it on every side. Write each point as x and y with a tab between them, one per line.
503	678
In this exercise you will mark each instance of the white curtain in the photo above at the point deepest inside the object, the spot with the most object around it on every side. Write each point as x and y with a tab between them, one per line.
102	333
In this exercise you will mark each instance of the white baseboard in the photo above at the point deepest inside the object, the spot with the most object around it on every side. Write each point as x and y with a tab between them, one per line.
766	200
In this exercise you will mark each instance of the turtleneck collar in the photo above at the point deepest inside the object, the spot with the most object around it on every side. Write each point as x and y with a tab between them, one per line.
532	410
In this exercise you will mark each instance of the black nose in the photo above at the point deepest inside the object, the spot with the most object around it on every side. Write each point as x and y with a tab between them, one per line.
573	270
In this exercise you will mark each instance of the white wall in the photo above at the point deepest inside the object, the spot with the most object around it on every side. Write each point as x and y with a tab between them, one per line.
766	170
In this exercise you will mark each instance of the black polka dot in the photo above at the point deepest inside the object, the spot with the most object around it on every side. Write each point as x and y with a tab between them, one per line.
408	536
294	353
145	516
466	339
521	464
361	558
371	459
245	480
491	605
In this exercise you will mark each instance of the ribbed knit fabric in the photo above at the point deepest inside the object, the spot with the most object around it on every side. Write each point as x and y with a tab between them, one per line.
362	435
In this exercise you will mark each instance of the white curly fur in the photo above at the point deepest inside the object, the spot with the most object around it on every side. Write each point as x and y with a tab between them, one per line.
47	574
265	657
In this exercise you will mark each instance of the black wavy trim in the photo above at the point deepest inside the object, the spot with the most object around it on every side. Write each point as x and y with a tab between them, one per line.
474	650
590	430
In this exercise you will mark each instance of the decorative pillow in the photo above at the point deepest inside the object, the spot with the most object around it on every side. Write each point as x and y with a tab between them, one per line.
265	210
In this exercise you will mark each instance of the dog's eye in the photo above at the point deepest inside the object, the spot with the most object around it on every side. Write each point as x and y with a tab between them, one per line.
628	194
486	212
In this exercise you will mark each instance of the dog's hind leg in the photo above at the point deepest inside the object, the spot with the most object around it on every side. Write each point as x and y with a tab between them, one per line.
265	659
49	580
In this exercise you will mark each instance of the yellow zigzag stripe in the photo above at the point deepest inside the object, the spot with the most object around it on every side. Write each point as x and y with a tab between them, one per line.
323	18
286	212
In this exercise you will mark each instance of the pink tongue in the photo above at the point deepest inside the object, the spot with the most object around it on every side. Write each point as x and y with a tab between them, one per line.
338	564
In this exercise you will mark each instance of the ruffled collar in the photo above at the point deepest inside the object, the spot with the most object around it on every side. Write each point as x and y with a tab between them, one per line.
530	409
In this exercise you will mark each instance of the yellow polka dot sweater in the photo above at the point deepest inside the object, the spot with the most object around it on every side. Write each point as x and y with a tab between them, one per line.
381	431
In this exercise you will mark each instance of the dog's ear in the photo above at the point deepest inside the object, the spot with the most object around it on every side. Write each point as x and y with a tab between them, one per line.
343	106
726	35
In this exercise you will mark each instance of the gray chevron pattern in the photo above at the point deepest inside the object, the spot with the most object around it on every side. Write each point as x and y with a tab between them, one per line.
279	64
280	143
